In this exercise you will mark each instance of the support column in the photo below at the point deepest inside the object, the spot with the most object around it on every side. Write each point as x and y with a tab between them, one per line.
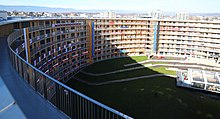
91	41
217	75
190	77
156	36
27	45
20	27
205	79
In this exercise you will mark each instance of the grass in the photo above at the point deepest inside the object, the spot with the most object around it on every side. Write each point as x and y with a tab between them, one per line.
117	64
116	76
163	70
113	64
139	58
150	63
159	63
151	98
154	98
126	74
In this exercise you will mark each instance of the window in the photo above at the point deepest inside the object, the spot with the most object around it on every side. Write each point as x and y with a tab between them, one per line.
42	42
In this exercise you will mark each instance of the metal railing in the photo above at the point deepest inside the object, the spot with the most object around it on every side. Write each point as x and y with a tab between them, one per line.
73	103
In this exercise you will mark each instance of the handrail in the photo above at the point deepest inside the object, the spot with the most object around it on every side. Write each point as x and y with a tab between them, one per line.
14	34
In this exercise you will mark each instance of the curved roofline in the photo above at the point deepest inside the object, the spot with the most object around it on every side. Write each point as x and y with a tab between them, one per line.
80	18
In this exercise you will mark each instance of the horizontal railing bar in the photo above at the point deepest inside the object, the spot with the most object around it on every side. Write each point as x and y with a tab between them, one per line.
65	86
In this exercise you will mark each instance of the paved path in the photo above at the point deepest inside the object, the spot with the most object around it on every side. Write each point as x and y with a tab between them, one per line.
9	109
117	71
30	102
192	61
149	61
122	80
154	65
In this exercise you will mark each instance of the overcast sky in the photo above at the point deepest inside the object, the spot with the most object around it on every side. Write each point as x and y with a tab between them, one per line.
204	6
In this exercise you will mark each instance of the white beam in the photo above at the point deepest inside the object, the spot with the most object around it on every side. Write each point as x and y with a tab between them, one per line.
25	42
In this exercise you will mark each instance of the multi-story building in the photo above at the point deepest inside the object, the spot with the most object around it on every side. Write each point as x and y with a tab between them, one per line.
156	14
60	47
116	38
108	14
182	16
189	38
65	45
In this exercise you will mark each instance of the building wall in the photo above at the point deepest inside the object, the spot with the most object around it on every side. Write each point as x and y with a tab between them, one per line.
59	47
193	39
115	38
182	16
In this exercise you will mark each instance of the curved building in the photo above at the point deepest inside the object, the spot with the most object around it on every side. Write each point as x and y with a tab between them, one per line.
48	52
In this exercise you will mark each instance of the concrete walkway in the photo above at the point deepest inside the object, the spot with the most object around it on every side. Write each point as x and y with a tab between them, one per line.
117	71
30	102
190	61
9	109
122	80
154	65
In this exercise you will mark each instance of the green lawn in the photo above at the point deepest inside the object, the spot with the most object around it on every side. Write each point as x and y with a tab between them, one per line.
126	74
150	63
116	76
151	98
158	63
117	64
162	70
154	98
113	64
139	58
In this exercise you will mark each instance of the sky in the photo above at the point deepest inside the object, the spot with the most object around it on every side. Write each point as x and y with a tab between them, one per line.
196	6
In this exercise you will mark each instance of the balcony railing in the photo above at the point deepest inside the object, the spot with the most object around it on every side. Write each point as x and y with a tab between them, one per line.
73	103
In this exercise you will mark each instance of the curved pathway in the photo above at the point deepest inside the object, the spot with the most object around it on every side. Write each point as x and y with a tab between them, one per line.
121	80
30	102
155	65
190	61
117	71
9	109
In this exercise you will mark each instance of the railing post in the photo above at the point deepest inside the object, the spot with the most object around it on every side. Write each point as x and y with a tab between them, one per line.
30	75
45	87
57	95
35	79
83	106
